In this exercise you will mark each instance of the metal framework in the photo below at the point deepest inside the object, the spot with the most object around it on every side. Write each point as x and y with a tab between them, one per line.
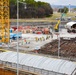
4	21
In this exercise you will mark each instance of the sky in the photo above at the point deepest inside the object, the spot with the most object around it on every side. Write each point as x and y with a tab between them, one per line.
60	2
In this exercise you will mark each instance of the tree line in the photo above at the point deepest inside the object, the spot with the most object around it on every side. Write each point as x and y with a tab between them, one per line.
30	9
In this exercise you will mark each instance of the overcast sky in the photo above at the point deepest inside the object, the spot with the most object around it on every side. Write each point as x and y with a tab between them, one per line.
60	2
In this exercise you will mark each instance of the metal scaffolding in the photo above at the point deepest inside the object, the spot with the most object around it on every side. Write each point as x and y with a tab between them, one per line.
4	21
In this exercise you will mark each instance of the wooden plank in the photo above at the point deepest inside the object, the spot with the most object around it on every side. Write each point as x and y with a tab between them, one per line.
20	70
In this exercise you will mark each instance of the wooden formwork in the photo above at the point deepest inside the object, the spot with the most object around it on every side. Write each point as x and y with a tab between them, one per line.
21	72
6	72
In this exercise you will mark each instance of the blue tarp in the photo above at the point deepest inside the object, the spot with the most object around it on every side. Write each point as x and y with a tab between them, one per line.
14	35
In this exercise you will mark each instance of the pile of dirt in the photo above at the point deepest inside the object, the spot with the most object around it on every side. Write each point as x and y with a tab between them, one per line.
67	48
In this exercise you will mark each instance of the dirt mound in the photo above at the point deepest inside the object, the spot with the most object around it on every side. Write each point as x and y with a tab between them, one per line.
67	48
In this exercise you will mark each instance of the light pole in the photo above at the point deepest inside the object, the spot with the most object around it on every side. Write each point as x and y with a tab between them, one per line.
17	35
59	35
59	44
69	8
17	38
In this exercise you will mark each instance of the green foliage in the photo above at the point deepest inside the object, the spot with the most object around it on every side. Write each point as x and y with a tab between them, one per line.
63	10
33	9
13	1
66	10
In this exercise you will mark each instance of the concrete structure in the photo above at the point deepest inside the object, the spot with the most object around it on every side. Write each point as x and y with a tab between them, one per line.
38	64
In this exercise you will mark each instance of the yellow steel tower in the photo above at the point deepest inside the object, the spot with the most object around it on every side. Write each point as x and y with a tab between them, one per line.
4	21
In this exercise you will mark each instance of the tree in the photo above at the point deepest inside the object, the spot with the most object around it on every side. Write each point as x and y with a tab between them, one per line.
63	10
13	1
34	9
40	12
48	10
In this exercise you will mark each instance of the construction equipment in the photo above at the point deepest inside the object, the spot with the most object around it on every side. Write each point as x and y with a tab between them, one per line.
4	21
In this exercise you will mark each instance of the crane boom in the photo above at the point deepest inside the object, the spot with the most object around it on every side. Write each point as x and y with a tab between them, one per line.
4	21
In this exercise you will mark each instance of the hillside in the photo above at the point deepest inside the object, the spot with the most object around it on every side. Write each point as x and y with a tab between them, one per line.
61	6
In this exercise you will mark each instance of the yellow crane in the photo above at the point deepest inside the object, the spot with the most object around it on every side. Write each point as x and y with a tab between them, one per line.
4	21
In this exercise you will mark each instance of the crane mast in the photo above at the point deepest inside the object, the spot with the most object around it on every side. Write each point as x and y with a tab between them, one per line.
4	21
